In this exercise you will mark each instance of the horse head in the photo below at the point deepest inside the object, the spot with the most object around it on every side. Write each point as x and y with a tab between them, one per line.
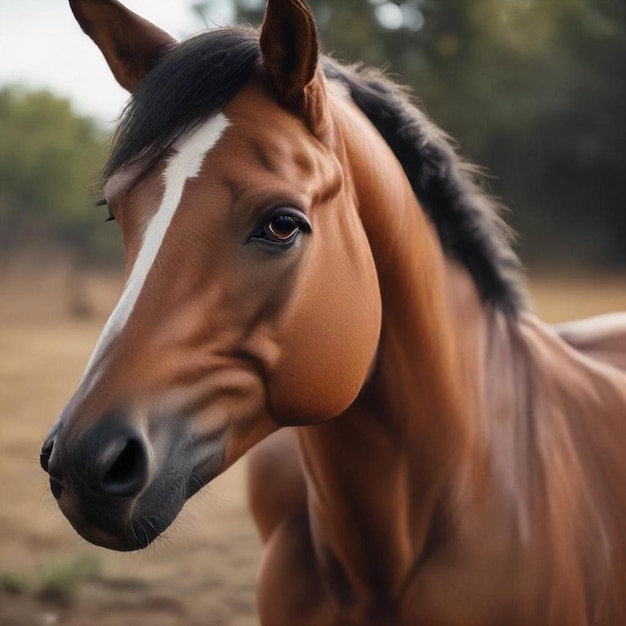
251	298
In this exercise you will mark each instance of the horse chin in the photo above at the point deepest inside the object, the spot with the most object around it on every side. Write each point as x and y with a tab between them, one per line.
121	541
127	534
125	528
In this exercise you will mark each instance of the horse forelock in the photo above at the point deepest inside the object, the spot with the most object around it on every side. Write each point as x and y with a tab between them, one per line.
191	83
198	78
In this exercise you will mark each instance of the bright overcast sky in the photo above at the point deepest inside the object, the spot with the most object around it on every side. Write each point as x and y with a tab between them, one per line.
42	46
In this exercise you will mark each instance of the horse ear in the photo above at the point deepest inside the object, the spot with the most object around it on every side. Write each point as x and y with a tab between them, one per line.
289	48
131	45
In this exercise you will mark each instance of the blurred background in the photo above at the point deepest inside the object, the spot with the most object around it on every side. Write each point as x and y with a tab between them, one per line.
533	91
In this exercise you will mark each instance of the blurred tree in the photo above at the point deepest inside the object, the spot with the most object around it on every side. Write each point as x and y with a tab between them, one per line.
533	90
552	126
49	163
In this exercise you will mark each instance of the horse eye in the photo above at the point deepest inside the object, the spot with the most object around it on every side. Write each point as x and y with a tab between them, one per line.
282	228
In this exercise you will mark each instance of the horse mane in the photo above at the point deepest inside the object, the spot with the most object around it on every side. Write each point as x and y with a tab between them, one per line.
200	76
468	221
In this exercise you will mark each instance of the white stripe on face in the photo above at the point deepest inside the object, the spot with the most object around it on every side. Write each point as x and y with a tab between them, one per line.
189	153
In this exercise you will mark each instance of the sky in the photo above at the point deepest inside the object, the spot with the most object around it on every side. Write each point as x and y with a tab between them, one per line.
42	47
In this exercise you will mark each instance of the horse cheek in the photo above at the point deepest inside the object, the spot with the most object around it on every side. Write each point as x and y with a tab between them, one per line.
329	341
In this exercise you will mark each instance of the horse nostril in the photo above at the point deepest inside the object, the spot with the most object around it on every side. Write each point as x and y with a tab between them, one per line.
56	485
124	468
44	455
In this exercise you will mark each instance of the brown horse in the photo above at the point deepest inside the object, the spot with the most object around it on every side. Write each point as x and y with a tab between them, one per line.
306	254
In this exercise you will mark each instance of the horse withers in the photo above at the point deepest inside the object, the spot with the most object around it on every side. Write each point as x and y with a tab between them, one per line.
313	277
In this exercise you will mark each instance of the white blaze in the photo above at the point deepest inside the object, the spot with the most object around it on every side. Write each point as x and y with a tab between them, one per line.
186	162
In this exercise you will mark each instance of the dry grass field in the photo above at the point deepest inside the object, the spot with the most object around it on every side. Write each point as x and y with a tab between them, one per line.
203	571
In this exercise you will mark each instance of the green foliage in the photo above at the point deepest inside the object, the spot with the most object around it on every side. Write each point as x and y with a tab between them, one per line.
13	583
533	90
59	582
49	164
55	582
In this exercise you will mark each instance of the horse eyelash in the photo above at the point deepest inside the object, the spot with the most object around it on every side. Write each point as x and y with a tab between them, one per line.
100	201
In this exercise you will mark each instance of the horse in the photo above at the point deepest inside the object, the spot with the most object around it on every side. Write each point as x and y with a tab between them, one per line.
314	278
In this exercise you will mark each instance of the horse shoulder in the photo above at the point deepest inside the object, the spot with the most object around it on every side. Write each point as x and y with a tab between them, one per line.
290	589
278	502
276	487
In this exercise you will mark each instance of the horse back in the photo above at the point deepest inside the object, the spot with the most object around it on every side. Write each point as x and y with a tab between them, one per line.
602	338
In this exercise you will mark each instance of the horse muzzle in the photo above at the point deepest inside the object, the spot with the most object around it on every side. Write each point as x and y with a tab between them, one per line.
122	484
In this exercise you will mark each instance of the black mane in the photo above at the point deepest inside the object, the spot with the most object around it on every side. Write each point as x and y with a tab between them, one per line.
468	221
200	76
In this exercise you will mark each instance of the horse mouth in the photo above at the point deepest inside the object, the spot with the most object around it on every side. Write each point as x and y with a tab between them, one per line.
119	525
137	534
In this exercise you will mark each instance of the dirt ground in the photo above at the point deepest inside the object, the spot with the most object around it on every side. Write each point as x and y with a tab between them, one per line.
203	572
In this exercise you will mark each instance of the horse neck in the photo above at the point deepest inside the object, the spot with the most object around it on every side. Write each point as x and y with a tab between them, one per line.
380	475
459	409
